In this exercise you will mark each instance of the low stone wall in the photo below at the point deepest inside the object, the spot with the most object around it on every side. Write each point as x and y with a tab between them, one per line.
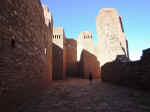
131	74
24	37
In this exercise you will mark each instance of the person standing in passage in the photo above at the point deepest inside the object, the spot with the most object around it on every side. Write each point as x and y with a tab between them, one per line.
90	77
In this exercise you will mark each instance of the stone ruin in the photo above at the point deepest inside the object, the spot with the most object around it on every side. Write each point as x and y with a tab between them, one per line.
33	52
72	65
59	53
25	67
86	55
77	52
48	51
111	36
132	73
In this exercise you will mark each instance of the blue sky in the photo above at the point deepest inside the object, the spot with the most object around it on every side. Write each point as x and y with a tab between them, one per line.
76	16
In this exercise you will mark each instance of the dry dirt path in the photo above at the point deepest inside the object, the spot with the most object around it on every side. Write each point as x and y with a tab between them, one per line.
78	95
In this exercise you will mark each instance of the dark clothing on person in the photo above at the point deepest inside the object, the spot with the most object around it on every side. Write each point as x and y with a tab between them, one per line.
90	76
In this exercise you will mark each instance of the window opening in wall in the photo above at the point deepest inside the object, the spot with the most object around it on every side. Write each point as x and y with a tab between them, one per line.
12	43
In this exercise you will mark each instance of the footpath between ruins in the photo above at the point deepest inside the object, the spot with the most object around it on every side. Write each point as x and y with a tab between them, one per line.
78	95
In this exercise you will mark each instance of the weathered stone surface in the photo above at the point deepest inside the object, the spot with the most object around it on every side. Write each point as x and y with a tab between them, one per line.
48	17
71	58
84	41
23	63
86	55
112	40
49	24
133	74
59	53
89	63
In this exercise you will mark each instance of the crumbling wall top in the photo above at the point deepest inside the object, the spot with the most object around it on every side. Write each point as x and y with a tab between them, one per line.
85	35
108	11
58	30
48	16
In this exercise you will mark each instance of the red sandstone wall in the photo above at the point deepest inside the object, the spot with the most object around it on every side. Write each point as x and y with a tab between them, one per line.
64	59
72	66
89	63
57	53
48	51
23	64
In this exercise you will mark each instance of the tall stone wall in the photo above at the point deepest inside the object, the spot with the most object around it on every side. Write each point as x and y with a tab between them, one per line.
23	63
48	51
48	17
59	53
84	42
64	58
71	58
111	36
87	55
89	63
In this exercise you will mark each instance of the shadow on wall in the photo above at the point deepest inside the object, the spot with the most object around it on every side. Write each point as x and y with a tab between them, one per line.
89	63
23	63
132	74
57	54
113	71
72	64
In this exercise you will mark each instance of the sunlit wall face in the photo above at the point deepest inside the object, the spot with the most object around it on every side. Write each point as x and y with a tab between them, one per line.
80	15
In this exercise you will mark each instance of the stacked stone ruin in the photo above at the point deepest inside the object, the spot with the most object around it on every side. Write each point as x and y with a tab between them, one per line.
33	52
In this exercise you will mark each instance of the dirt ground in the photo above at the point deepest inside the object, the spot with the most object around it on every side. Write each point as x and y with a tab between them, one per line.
78	95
